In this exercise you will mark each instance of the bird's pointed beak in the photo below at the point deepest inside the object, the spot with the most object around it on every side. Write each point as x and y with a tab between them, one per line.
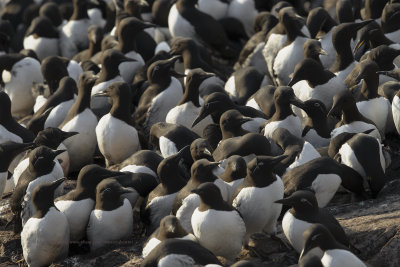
102	93
323	52
293	81
126	190
200	117
70	134
206	151
296	102
207	75
57	183
285	201
245	119
58	152
177	74
195	191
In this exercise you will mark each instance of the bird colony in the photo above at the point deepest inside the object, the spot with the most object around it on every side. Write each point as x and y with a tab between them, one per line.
193	126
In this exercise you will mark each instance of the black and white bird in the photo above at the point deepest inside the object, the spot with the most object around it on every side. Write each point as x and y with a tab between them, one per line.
169	228
215	220
335	254
255	197
81	119
112	218
116	135
42	169
45	236
303	213
160	200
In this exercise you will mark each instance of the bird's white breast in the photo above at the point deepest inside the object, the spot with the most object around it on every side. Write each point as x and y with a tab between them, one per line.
307	154
185	115
178	260
214	8
185	211
230	87
42	46
396	112
253	103
77	213
77	31
222	232
3	180
12	183
232	186
377	110
110	226
291	123
356	127
74	70
18	84
163	102
117	140
349	158
29	209
6	136
287	58
245	11
340	258
138	169
151	244
271	49
293	229
325	187
167	147
327	45
160	207
258	208
178	25
45	240
39	102
58	114
81	146
96	17
128	69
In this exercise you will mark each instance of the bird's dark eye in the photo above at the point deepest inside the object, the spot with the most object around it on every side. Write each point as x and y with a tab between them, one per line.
314	237
317	105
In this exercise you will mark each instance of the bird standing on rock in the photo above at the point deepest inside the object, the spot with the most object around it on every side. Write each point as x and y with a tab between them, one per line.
216	224
116	136
45	237
111	210
255	197
81	119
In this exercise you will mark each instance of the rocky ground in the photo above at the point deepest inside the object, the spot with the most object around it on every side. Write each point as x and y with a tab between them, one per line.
373	226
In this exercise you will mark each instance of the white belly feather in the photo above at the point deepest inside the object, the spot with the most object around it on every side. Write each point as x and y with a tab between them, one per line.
109	226
45	240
